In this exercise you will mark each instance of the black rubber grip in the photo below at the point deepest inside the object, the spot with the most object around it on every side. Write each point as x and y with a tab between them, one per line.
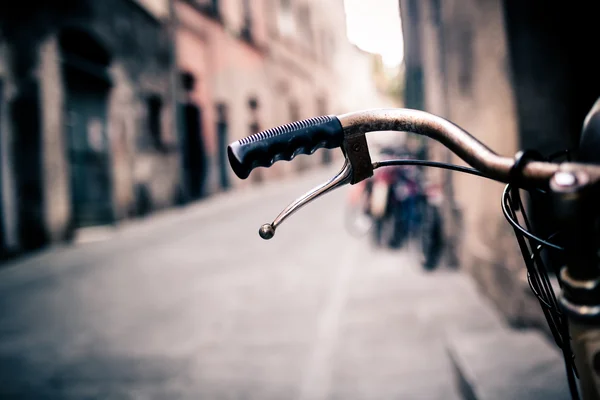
285	142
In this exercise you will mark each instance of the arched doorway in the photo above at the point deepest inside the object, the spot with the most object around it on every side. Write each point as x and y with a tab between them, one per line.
87	84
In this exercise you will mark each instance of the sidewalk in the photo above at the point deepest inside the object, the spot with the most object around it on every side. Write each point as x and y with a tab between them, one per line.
490	360
493	361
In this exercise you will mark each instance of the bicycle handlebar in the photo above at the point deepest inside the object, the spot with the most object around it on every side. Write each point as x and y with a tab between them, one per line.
347	131
459	141
304	137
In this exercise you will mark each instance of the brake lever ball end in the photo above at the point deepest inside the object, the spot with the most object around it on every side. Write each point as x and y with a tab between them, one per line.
267	231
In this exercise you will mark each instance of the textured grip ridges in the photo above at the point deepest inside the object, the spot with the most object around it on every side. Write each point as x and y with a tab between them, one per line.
283	129
285	142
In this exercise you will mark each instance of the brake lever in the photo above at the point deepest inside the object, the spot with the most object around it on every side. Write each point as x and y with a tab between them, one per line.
357	167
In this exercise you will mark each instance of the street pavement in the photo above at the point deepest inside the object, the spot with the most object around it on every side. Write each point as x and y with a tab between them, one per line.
192	304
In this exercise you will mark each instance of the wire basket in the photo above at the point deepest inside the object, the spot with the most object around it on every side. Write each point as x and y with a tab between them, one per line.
542	253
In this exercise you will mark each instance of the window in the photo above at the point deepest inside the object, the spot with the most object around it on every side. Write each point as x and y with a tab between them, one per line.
282	87
188	81
285	18
253	103
254	127
321	105
246	31
221	112
210	7
294	110
304	24
154	109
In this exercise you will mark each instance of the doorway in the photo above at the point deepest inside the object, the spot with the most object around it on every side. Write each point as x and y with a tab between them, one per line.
194	154
87	86
25	113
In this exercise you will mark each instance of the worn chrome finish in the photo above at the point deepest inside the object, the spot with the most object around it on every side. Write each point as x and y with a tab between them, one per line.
267	231
463	144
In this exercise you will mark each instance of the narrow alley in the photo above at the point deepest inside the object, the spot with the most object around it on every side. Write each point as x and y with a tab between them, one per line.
192	304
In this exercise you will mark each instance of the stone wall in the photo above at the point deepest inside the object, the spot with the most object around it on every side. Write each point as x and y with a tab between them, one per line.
467	79
140	64
289	75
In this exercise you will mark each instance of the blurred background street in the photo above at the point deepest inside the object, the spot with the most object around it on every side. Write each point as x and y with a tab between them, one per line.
194	305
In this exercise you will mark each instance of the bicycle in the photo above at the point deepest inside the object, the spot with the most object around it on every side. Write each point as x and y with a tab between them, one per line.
571	188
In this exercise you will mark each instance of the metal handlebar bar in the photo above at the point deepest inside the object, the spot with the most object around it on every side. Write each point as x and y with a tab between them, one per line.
459	141
347	131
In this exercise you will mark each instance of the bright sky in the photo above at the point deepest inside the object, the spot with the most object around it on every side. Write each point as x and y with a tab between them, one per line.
374	26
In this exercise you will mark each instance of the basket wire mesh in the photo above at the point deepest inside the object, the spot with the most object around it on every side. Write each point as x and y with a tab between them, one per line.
540	269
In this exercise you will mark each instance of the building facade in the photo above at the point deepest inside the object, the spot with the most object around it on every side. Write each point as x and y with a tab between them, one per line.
509	74
114	109
86	116
262	63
